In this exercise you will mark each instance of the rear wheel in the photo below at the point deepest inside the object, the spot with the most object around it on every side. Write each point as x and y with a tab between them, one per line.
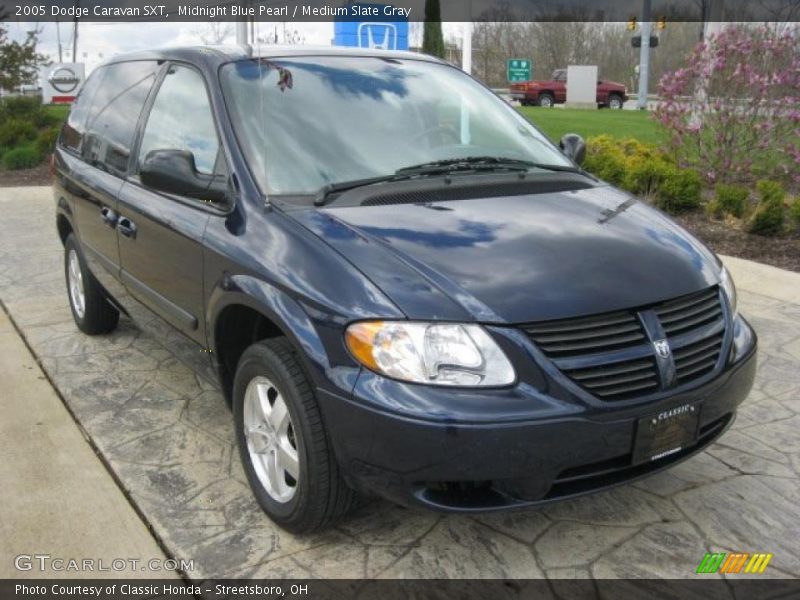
546	100
282	441
92	312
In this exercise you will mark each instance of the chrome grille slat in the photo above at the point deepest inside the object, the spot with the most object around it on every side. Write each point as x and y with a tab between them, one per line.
610	355
681	303
621	378
696	359
579	323
607	342
691	349
707	305
685	324
713	352
705	366
627	389
591	333
583	374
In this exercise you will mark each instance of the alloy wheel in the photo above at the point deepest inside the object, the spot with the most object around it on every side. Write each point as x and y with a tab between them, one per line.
75	282
271	439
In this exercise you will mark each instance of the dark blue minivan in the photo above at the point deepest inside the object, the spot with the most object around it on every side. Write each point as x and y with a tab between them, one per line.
405	288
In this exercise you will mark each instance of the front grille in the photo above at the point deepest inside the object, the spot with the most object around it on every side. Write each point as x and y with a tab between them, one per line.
618	380
611	355
696	359
574	337
689	312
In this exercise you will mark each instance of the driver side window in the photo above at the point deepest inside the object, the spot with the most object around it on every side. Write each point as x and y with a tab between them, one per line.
181	119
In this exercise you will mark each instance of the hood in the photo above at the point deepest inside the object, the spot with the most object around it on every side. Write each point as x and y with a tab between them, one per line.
521	258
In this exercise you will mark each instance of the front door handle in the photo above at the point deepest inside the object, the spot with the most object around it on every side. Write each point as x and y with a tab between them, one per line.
109	216
126	227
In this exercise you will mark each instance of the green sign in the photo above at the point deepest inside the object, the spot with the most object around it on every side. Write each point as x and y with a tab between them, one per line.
519	69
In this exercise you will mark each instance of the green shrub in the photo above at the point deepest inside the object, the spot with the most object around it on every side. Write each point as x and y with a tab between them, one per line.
645	174
46	140
15	132
770	190
729	200
23	157
767	218
605	159
28	109
794	211
20	107
680	190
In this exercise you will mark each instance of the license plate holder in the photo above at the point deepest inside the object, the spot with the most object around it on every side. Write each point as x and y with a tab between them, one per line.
665	433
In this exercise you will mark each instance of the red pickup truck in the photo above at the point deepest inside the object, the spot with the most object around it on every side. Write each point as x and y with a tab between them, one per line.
554	91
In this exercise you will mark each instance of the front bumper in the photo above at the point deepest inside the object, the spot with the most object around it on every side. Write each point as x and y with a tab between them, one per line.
531	447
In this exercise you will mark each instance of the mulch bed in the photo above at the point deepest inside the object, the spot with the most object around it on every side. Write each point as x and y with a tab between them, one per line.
723	238
37	176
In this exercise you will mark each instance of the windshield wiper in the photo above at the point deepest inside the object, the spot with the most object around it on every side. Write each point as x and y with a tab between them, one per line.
479	163
439	167
323	193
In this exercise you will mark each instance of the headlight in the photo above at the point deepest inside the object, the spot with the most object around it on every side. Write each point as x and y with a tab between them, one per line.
431	353
726	283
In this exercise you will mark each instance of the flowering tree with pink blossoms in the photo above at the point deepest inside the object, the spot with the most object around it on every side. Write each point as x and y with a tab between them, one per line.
734	111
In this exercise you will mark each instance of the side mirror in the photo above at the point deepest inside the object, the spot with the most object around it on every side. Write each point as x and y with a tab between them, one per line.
174	172
573	146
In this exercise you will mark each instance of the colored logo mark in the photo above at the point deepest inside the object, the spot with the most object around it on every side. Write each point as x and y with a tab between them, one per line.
734	562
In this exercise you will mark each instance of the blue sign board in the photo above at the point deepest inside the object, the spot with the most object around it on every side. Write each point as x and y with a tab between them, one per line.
389	33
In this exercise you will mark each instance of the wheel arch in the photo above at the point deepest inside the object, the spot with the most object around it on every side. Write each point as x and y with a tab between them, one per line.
64	220
242	311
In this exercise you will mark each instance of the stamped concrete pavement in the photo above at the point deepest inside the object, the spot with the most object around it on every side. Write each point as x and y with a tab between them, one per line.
167	434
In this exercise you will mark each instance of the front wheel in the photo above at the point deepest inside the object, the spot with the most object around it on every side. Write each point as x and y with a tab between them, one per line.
91	310
546	100
614	102
282	440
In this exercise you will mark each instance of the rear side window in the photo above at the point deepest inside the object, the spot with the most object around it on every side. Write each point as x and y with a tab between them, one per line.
181	119
114	112
72	133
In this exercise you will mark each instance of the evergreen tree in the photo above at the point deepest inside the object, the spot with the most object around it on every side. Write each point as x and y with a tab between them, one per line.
432	38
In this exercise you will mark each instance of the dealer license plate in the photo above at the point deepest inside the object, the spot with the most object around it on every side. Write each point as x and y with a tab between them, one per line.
666	433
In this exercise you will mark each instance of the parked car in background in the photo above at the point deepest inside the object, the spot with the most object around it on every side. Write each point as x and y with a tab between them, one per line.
548	92
406	289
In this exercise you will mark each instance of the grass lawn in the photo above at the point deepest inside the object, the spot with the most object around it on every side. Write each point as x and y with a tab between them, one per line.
555	122
59	110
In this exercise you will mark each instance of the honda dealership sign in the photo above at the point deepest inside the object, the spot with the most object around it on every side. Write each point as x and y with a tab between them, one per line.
61	82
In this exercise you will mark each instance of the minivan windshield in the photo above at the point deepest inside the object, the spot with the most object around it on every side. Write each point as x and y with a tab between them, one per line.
310	121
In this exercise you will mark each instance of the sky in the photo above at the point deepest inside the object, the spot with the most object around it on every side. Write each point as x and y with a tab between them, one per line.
98	42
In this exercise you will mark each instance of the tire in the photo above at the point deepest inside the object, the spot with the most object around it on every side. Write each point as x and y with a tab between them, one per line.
546	100
270	371
95	316
615	102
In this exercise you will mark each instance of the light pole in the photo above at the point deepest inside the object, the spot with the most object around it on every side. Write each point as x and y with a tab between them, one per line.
241	33
644	56
466	47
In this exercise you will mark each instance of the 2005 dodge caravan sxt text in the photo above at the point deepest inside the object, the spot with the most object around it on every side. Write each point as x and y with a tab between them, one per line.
406	289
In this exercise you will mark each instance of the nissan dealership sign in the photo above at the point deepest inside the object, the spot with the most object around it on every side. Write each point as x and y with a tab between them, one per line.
61	82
